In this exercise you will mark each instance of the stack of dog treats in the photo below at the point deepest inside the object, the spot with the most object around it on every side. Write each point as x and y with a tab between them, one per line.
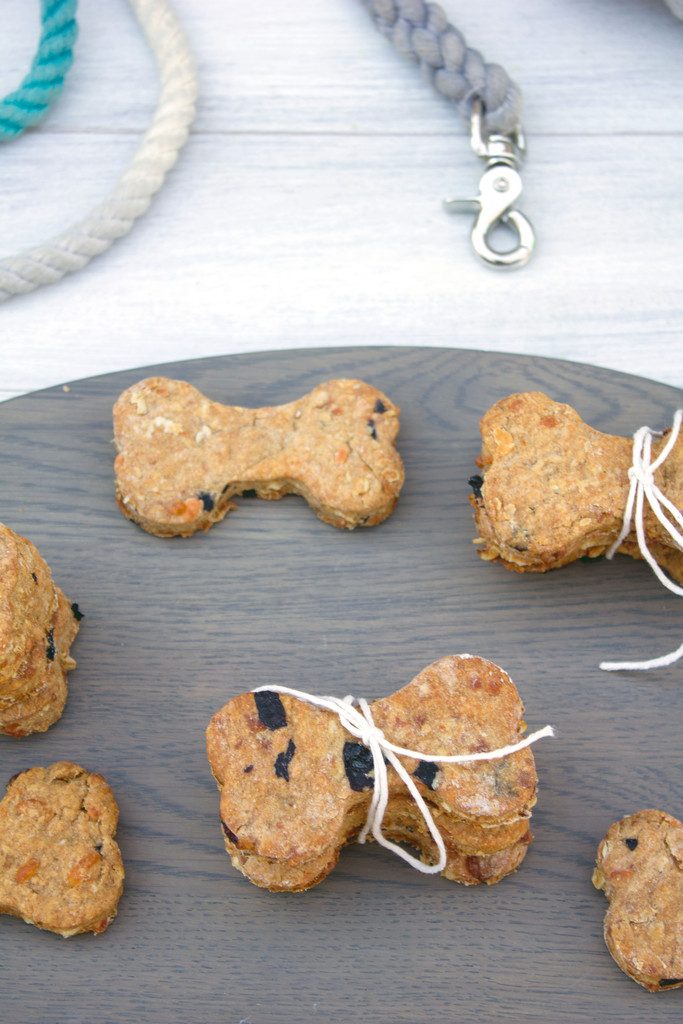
37	627
554	489
295	786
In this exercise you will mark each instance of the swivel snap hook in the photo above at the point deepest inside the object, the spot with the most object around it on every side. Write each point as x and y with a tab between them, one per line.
499	189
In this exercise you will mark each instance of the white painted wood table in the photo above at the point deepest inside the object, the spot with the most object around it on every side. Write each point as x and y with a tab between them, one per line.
305	210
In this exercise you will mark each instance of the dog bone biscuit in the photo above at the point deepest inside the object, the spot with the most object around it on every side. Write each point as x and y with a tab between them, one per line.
640	869
296	786
181	457
60	867
37	628
554	489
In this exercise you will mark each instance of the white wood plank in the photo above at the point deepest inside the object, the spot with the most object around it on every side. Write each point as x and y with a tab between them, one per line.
306	209
586	66
271	242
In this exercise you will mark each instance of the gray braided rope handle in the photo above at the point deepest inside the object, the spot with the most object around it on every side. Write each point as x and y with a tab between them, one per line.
422	32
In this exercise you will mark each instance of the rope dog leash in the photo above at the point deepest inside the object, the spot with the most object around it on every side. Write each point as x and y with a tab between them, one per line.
29	104
131	197
642	488
487	98
421	31
482	91
360	724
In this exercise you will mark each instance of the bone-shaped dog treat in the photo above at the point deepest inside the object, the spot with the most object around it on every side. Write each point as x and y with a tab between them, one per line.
295	786
37	627
60	868
183	457
555	489
640	870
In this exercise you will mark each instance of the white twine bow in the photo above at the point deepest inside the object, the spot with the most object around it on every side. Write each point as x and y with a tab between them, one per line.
642	477
360	724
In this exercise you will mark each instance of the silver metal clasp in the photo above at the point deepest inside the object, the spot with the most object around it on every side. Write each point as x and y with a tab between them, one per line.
499	189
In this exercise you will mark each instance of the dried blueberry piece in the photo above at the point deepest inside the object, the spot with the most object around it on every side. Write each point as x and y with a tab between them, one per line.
371	428
230	834
669	981
271	710
76	612
249	768
51	650
476	482
358	765
249	493
380	406
206	500
631	843
35	578
282	761
426	772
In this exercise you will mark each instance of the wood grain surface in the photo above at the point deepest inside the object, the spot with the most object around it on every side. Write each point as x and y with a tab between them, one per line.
305	210
174	628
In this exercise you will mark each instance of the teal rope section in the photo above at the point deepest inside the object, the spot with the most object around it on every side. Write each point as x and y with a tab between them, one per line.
30	102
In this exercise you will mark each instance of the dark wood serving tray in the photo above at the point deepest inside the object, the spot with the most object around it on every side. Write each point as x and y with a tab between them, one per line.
173	628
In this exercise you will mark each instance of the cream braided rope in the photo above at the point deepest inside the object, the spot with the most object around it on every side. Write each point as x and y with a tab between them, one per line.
74	248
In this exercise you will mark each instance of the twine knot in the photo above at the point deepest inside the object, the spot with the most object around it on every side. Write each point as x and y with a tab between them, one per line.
642	487
643	474
371	735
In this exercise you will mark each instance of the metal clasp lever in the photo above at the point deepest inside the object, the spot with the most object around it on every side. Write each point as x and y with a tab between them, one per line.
499	189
